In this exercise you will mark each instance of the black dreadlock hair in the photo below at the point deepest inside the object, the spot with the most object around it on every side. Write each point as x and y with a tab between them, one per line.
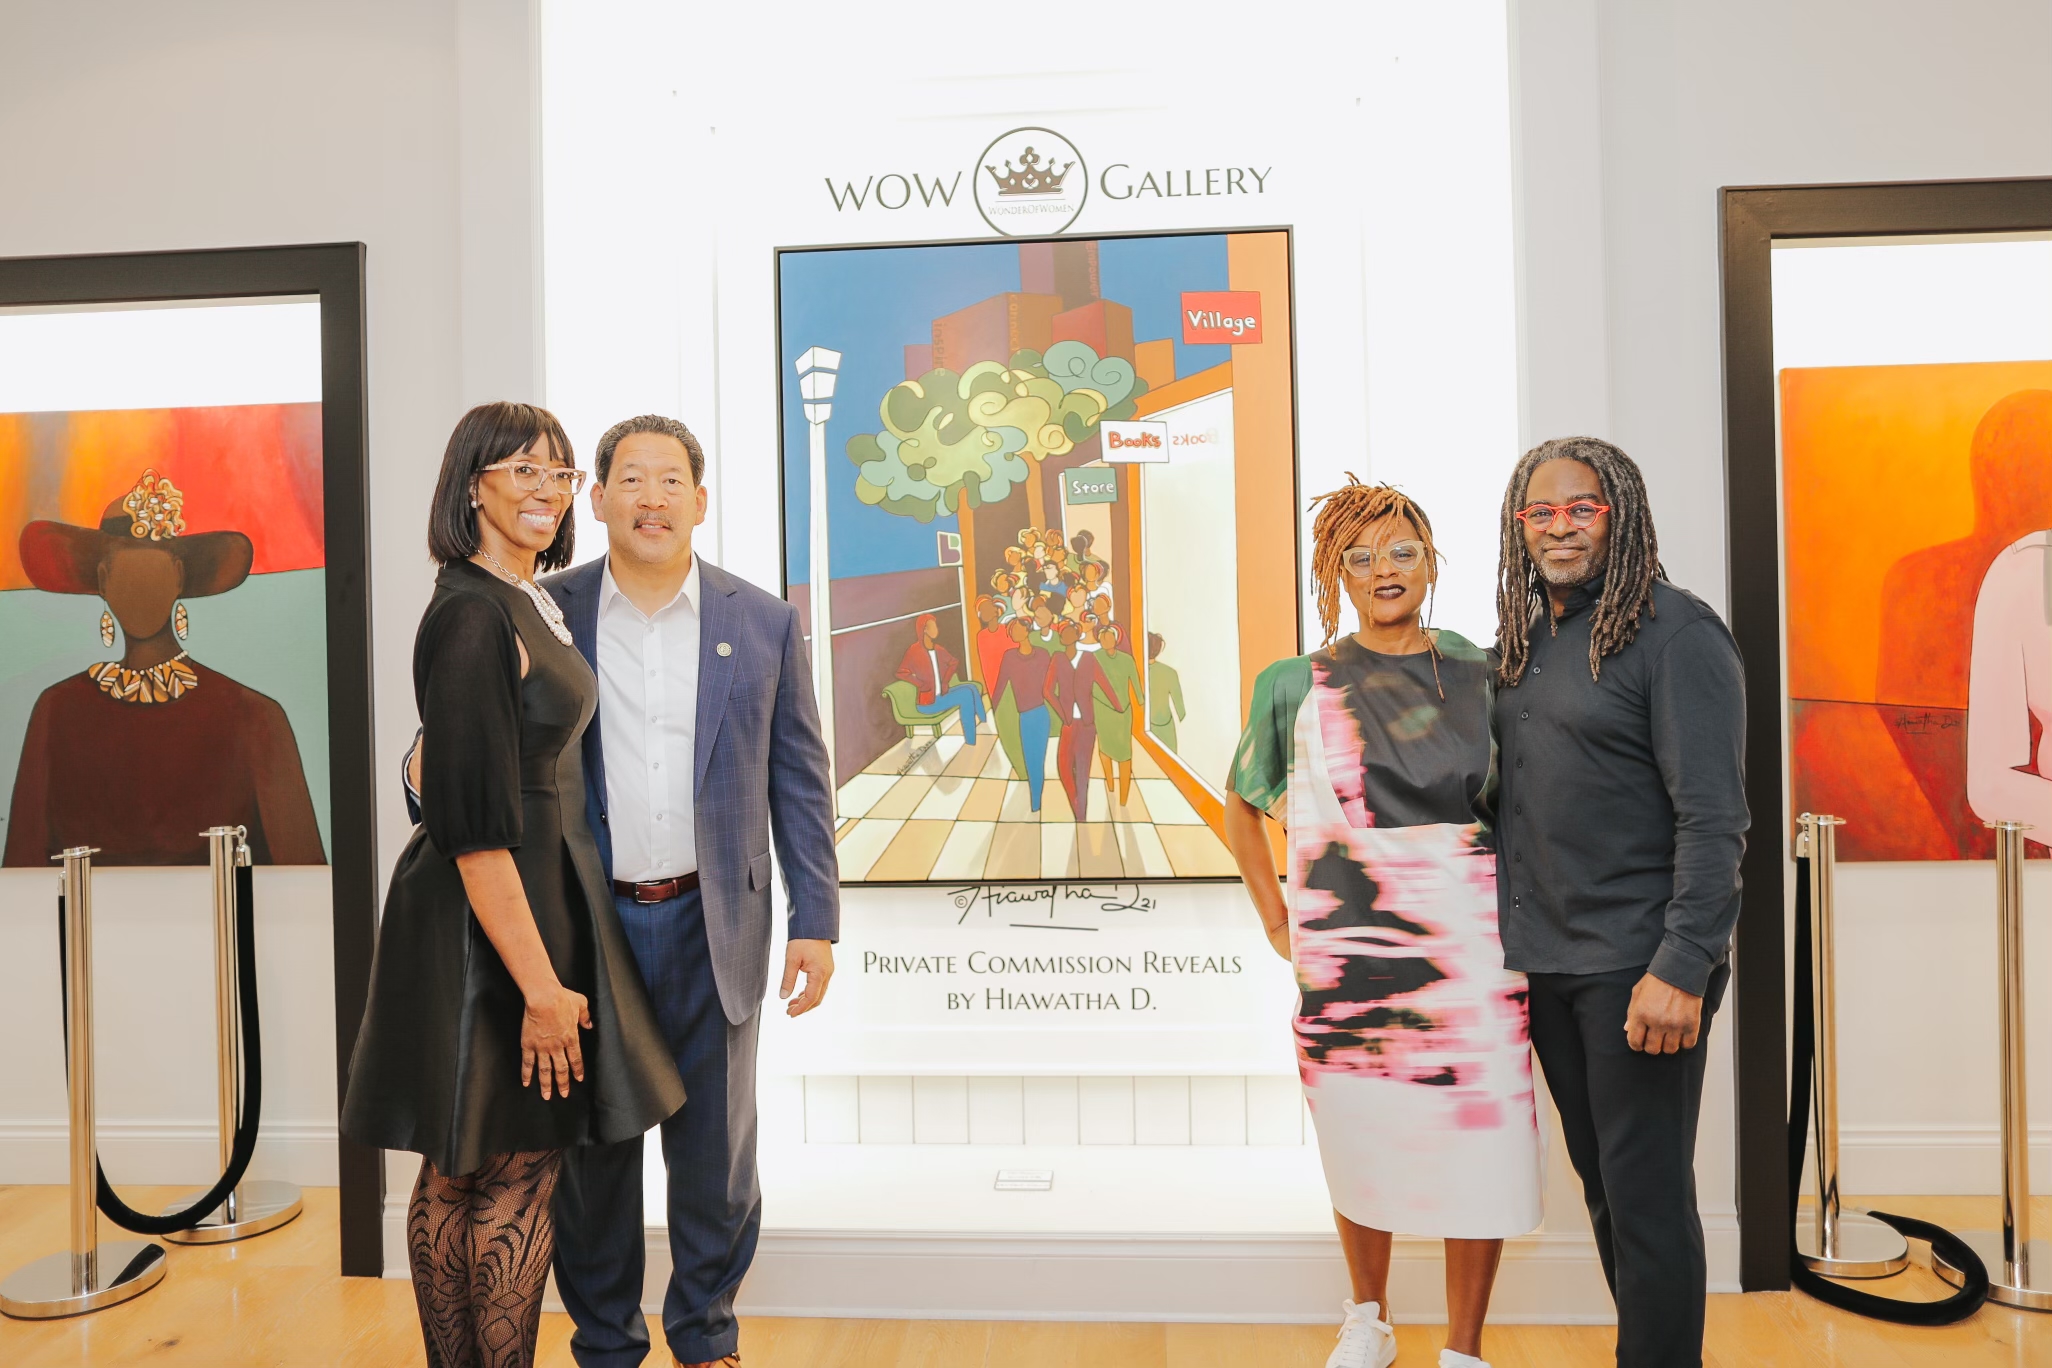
1629	572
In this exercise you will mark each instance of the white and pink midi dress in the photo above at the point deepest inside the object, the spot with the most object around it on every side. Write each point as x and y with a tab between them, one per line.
1411	1034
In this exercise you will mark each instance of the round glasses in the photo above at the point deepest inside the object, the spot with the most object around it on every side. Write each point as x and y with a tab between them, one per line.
1405	556
529	475
1581	513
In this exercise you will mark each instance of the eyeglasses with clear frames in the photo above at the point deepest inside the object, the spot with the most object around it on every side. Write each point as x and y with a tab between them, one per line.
1405	556
529	475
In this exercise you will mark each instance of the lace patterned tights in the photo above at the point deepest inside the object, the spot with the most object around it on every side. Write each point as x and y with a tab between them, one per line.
480	1247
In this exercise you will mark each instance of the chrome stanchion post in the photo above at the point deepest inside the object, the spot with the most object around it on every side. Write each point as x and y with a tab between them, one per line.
1838	1243
91	1275
2016	1123
2025	1264
84	1122
258	1204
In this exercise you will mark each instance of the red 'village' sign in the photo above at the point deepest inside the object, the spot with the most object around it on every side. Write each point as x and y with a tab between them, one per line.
1229	316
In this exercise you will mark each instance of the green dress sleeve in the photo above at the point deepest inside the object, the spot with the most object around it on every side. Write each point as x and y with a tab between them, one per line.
1453	646
1261	766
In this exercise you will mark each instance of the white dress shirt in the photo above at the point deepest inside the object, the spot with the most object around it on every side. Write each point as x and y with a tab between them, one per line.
648	726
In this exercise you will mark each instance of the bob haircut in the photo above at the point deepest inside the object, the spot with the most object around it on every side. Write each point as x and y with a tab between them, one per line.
485	436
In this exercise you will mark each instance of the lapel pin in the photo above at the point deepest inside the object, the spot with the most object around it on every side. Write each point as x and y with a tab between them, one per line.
724	649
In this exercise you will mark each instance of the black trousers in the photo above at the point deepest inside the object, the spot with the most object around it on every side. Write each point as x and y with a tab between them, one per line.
715	1201
1630	1123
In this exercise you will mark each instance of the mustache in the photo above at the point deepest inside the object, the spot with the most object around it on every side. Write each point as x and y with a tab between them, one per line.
651	520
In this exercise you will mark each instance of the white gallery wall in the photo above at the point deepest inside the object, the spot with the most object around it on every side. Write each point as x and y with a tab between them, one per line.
402	124
413	126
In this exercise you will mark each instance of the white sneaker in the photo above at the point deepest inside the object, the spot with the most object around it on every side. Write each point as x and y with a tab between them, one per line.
1449	1359
1365	1339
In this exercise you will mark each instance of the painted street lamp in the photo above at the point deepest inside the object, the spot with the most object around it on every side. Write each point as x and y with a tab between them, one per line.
817	370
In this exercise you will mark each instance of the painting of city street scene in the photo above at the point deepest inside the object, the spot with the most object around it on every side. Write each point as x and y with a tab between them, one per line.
1039	501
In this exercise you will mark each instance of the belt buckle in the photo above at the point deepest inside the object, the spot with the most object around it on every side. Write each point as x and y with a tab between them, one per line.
648	894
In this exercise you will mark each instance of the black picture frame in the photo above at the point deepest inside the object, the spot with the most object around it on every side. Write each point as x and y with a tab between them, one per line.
1751	219
777	255
334	273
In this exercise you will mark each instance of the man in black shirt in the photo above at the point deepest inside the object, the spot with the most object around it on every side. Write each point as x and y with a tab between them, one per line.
1621	719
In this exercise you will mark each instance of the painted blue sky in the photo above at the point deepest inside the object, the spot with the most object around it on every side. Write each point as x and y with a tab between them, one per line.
870	303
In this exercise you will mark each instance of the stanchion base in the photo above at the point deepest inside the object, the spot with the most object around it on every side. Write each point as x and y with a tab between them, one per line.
1866	1248
1988	1244
42	1290
260	1205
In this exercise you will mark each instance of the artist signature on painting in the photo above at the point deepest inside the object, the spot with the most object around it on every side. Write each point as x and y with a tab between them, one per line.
1927	723
1057	900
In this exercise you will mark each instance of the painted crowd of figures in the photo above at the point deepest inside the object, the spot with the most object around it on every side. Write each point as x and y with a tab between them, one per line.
1055	664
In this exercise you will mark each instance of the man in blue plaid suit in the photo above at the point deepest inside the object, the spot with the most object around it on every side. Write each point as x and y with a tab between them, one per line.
705	753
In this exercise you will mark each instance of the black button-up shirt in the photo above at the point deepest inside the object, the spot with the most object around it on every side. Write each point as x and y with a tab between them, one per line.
1622	813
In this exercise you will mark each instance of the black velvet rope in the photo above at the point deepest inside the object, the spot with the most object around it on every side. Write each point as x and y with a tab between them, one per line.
110	1203
1943	1242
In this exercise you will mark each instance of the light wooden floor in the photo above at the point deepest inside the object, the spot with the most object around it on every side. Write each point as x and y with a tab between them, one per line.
277	1300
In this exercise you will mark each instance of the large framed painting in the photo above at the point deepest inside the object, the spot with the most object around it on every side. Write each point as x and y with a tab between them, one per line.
1913	657
1040	516
166	564
1888	495
184	590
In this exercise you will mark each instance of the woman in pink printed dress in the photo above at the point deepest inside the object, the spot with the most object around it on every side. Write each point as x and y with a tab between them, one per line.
1375	754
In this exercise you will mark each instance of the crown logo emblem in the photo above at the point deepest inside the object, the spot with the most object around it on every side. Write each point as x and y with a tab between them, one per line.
1037	183
1034	177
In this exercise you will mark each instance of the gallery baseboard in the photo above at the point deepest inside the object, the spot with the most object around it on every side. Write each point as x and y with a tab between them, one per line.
158	1152
1546	1278
1930	1160
1876	1160
1230	1278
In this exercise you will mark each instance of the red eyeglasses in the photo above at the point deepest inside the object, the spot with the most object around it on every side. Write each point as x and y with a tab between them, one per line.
1544	517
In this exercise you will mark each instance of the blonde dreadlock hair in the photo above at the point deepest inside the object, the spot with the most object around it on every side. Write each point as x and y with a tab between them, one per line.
1346	513
1632	566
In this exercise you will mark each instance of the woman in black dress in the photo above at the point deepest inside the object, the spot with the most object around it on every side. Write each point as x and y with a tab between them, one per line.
506	1018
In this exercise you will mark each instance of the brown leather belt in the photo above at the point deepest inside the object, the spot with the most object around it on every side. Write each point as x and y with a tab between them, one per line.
657	890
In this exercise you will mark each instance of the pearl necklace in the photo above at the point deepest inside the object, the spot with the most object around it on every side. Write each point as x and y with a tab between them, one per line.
551	615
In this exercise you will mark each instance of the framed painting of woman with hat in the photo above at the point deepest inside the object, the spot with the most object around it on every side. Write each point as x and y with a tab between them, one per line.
144	746
185	618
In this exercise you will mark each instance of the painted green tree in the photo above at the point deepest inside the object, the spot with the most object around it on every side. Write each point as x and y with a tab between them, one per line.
952	441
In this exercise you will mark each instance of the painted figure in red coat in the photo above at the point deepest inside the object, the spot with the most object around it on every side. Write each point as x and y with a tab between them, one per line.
1074	683
933	670
992	640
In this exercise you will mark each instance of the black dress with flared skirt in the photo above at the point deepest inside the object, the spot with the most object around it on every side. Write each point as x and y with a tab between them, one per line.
437	1063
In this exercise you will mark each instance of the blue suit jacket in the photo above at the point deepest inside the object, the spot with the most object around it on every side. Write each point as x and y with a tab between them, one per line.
760	775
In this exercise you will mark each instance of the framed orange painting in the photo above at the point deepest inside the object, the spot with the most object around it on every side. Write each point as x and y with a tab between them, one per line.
1918	563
